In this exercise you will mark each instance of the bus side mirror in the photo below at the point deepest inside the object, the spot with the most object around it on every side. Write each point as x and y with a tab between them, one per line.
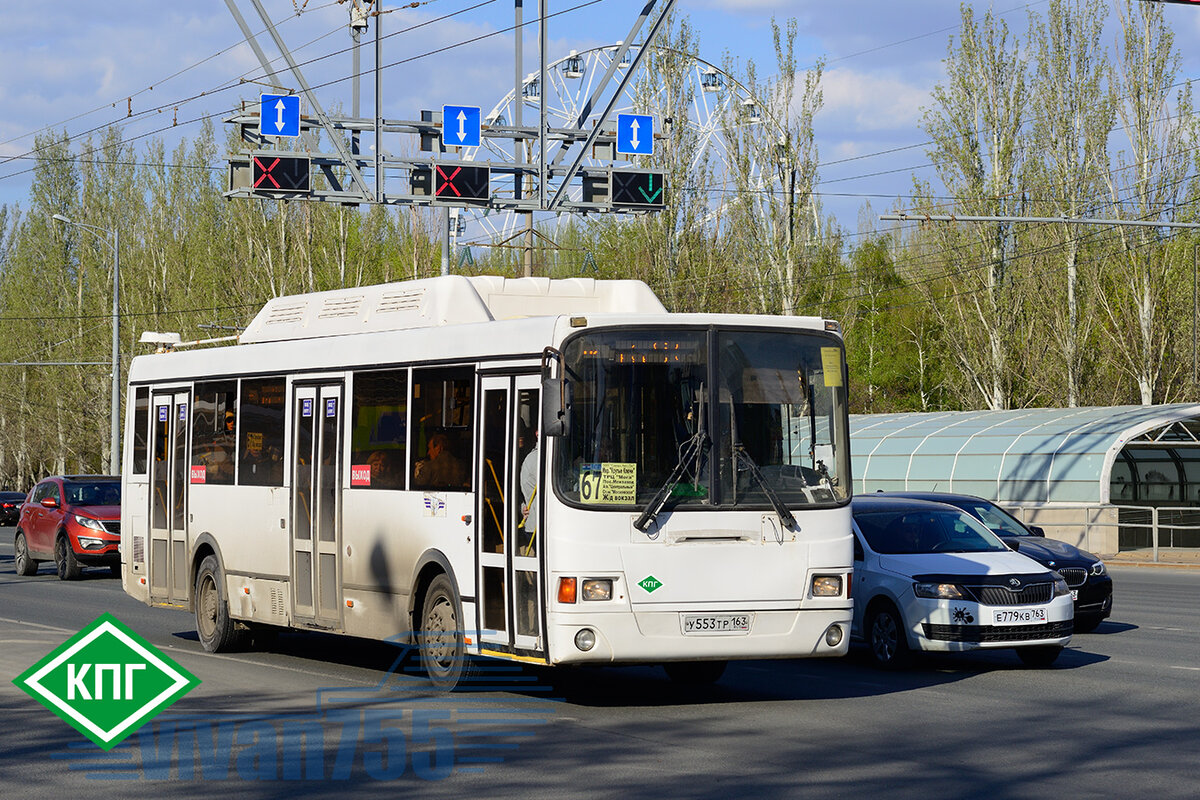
556	406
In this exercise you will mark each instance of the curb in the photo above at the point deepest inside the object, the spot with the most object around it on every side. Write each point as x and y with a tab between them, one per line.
1113	562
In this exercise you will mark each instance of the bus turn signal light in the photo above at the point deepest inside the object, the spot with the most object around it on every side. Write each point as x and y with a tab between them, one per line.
566	590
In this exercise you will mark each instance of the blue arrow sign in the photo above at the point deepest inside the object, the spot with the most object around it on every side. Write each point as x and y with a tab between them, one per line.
280	115
635	134
460	126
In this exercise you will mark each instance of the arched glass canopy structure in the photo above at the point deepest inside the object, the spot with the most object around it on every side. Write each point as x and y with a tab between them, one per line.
1120	455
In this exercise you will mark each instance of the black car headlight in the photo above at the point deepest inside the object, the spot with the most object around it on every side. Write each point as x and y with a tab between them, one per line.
939	591
1098	568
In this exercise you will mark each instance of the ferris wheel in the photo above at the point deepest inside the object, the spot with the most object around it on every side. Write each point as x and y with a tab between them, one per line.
717	100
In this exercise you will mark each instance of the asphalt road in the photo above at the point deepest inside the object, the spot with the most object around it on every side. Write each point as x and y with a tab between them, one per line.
318	716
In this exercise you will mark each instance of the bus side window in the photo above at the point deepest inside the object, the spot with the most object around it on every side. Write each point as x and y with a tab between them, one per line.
443	410
214	420
141	428
260	432
378	429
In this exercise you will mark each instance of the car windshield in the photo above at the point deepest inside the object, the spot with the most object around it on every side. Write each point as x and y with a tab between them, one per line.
716	417
909	531
997	519
92	493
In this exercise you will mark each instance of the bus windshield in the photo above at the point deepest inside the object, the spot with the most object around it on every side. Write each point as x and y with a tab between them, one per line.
722	418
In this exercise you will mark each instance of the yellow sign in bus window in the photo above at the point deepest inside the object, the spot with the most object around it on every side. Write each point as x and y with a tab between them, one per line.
831	362
610	482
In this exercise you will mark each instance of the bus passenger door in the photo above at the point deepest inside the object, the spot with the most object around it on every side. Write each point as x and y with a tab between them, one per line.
168	554
509	580
316	493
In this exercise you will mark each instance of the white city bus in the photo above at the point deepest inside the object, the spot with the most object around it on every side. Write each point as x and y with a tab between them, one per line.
546	471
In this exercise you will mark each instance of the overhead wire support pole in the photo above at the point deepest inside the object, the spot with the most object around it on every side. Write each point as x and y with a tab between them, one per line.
542	106
378	109
612	101
348	160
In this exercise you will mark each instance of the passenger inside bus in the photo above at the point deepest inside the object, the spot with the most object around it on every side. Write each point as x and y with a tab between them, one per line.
440	469
384	472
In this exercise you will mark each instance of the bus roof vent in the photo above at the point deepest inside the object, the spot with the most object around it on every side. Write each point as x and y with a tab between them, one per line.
404	300
285	314
446	300
338	307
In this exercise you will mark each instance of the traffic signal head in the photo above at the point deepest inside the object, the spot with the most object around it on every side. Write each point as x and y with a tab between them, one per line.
643	190
459	184
281	175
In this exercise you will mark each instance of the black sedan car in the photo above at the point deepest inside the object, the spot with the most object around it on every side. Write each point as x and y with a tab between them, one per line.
10	507
1086	574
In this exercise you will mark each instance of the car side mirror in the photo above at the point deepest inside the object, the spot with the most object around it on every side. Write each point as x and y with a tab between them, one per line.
49	502
1037	531
1013	545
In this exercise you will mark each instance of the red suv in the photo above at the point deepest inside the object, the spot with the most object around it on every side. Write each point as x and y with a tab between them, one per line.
74	520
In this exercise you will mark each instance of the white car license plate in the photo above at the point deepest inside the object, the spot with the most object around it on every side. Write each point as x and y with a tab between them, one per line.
707	624
1018	616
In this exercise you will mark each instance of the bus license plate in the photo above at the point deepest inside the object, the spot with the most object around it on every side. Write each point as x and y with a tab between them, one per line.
1018	616
705	624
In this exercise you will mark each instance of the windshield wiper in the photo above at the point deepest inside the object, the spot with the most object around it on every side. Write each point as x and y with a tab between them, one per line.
740	454
692	451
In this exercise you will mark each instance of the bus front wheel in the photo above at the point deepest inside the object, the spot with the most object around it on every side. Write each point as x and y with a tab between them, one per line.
218	632
441	638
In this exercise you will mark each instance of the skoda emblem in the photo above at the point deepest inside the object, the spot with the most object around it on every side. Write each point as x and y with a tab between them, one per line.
1015	583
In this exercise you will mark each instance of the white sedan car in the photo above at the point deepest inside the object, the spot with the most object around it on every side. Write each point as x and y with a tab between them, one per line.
928	576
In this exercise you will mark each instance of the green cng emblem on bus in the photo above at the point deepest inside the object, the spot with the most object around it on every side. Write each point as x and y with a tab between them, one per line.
650	583
106	681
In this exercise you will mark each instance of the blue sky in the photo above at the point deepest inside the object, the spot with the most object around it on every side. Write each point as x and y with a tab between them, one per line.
81	65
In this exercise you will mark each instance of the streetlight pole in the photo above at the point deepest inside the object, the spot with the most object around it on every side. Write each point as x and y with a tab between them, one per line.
114	461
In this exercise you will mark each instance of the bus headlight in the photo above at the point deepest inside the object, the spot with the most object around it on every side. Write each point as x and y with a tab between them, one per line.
827	586
597	589
585	639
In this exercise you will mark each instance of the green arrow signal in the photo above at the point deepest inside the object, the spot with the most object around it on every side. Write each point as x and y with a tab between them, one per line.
650	198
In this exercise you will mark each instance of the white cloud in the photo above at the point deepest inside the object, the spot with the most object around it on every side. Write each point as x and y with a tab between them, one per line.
871	101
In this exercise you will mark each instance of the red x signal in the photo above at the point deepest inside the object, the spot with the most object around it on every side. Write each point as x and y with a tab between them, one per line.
447	181
458	182
265	173
280	174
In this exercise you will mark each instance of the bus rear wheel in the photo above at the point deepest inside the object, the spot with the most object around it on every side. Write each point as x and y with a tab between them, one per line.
441	639
218	632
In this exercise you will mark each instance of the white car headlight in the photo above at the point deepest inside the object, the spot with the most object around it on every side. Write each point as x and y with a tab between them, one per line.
1061	588
940	591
